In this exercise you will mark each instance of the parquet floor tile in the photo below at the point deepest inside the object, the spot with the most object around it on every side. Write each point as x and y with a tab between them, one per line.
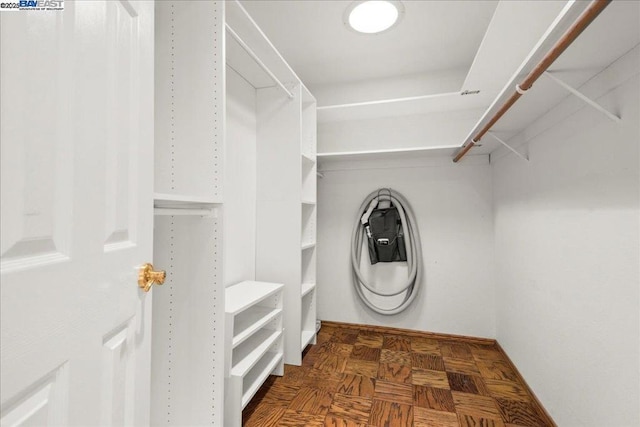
394	372
363	352
462	382
330	363
456	351
335	348
346	336
387	414
427	361
396	343
474	421
296	419
294	374
497	370
264	416
520	413
398	357
281	393
370	377
323	380
433	398
353	408
356	385
395	392
370	339
474	404
312	401
425	345
507	390
423	417
430	378
361	367
335	421
461	366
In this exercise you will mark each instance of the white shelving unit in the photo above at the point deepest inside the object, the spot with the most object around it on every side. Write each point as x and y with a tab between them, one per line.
188	310
232	120
308	153
254	342
285	123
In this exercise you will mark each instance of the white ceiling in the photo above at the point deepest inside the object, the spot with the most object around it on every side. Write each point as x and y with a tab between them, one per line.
433	36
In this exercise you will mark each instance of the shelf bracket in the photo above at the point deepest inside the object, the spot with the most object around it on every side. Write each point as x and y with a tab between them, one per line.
508	147
583	97
320	174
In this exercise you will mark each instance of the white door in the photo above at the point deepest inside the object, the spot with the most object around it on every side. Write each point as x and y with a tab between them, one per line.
76	213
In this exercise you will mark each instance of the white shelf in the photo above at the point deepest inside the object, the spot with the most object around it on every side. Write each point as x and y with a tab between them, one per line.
306	338
399	153
306	246
191	211
245	294
182	199
250	352
258	374
250	321
424	104
308	202
306	288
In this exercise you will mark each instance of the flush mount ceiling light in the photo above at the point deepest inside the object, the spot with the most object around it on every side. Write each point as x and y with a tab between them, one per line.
373	16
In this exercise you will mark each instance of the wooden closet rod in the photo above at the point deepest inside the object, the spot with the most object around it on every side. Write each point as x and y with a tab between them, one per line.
583	21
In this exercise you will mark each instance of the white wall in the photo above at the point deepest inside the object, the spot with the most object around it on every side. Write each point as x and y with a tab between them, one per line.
567	255
453	206
240	181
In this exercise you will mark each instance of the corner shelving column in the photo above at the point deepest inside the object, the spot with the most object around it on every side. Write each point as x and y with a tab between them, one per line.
308	219
253	344
285	175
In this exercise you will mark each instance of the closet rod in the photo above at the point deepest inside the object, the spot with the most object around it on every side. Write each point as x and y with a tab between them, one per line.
255	57
583	21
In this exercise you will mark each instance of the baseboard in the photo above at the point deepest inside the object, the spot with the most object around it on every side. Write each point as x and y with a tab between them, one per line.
543	411
410	332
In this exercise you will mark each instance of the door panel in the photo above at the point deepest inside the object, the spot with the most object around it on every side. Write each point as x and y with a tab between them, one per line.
77	214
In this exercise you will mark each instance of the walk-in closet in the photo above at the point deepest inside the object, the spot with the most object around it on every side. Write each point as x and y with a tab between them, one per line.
320	213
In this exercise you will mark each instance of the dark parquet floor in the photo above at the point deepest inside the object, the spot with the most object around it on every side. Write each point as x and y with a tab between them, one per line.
354	377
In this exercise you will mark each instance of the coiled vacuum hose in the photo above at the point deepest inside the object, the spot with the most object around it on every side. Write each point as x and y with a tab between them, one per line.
414	253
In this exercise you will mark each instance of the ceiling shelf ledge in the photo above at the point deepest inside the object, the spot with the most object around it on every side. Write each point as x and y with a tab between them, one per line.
411	105
443	150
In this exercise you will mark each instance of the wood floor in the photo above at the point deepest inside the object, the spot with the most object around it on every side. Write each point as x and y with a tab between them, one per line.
358	377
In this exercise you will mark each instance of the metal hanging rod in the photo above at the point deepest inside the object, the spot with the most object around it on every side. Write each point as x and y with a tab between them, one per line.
257	59
583	21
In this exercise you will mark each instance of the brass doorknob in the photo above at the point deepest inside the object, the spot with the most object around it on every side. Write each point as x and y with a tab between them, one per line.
147	277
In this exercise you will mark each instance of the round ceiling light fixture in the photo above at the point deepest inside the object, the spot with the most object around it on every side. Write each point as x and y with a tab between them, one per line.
373	16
